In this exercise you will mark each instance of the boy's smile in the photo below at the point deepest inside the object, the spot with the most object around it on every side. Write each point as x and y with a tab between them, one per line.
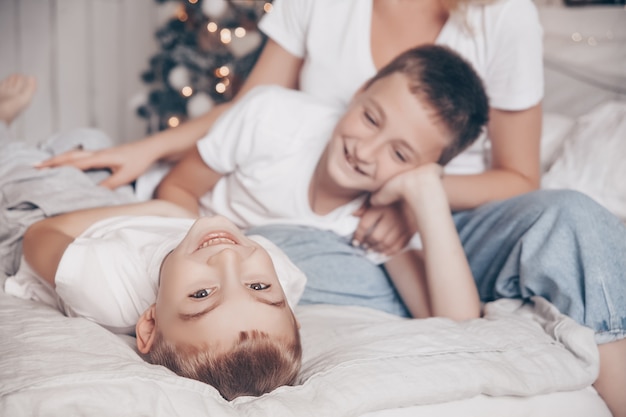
217	238
218	282
352	160
385	131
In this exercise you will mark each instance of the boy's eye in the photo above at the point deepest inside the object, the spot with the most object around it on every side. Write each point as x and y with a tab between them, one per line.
203	293
369	118
257	286
400	155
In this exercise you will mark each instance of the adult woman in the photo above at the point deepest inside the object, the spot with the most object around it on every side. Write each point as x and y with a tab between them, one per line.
329	48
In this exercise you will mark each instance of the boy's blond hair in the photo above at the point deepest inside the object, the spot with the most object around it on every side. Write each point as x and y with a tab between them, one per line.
255	365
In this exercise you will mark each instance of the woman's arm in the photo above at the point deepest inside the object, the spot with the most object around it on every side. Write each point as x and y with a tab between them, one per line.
439	281
515	144
128	161
189	180
46	240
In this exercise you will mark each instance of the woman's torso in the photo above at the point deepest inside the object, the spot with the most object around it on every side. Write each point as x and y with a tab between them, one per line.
502	40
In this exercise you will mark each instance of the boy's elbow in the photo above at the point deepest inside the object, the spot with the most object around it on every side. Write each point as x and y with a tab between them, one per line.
165	190
30	235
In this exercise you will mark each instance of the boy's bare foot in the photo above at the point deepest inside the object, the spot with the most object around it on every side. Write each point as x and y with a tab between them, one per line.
16	92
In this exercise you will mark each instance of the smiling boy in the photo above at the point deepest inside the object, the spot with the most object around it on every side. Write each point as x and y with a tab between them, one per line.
202	298
264	163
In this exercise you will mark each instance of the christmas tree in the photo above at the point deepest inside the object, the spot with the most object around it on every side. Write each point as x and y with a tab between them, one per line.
207	48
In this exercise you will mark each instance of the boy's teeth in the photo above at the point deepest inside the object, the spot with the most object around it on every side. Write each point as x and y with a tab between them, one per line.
217	241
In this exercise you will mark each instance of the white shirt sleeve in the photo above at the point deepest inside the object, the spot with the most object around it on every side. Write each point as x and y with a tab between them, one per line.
287	25
514	78
233	139
109	274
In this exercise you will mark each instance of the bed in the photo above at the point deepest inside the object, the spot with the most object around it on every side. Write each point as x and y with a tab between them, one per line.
520	359
357	362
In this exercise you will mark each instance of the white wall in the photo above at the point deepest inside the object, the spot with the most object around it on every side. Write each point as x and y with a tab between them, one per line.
87	56
584	56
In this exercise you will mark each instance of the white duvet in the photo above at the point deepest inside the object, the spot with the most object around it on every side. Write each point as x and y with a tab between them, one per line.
356	360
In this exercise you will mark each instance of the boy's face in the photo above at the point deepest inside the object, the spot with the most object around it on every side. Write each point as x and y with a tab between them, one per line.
385	131
216	283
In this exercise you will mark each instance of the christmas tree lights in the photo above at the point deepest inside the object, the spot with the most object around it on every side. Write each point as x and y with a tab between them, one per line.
207	49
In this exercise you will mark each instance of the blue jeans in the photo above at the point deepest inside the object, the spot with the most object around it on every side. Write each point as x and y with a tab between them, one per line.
560	245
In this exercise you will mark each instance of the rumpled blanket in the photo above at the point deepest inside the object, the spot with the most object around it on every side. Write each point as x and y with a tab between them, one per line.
356	360
28	194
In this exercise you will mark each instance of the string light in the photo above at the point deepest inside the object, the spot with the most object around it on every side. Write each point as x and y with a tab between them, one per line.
225	35
173	121
181	14
187	91
238	39
222	71
591	40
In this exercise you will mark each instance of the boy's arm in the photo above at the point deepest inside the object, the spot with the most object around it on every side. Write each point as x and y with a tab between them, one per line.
46	240
439	282
189	180
406	270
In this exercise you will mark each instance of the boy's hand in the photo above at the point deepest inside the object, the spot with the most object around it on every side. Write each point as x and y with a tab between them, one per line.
410	191
388	219
382	229
407	186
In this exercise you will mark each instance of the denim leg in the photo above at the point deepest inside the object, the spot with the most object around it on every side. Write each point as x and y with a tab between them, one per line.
559	244
337	273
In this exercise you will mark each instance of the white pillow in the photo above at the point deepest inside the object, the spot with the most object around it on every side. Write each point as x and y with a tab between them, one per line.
555	129
592	159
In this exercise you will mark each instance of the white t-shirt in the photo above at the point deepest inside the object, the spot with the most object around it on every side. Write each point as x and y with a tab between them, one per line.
502	40
110	273
267	147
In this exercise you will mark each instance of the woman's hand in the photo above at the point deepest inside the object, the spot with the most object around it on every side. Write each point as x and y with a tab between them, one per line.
126	162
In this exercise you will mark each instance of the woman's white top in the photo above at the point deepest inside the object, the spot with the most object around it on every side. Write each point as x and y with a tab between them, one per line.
501	39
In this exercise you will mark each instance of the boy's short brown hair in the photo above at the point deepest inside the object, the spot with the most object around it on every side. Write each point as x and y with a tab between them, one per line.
450	85
255	365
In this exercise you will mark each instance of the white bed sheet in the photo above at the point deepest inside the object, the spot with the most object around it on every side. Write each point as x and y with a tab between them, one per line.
356	361
581	403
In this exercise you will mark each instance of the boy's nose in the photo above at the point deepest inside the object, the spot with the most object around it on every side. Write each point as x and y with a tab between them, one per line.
230	261
366	150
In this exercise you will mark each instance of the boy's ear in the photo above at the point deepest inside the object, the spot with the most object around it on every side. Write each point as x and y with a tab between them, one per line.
146	330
